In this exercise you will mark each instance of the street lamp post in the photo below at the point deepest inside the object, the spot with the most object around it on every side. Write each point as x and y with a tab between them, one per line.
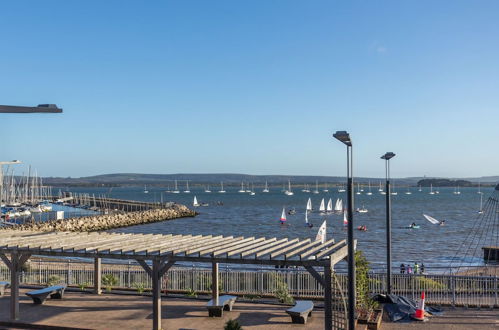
387	157
344	137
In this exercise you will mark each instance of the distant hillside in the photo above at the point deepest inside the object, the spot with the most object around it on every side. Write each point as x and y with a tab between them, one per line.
445	183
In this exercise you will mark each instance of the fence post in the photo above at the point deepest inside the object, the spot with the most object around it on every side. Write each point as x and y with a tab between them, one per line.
129	274
453	288
496	291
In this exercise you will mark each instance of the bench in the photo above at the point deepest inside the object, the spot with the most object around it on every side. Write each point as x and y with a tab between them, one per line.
301	311
216	307
3	286
39	296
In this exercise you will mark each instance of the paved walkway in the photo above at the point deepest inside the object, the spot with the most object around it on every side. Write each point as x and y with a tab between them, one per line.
110	311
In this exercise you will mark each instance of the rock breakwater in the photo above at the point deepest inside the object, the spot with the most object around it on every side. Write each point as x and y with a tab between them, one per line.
109	221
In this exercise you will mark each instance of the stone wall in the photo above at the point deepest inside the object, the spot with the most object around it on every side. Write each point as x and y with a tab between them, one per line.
109	221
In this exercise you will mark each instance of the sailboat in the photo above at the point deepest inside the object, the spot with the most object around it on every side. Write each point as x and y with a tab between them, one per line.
362	188
305	189
393	191
341	189
248	190
456	191
221	191
408	192
266	189
338	207
187	190
479	192
176	191
306	219
481	205
358	189
369	192
309	205
207	190
283	216
431	190
420	188
321	234
325	188
316	191
252	191
195	202
329	207
289	192
145	190
322	208
380	189
362	210
432	220
242	190
345	219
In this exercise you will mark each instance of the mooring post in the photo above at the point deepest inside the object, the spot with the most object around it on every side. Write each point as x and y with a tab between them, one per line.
97	276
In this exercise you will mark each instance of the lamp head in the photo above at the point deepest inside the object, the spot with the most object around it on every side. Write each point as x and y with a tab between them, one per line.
344	137
388	156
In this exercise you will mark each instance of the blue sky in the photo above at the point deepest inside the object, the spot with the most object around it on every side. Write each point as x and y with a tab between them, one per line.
253	87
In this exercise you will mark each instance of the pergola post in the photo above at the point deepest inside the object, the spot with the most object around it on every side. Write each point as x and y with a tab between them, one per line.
97	276
15	265
214	281
328	310
156	294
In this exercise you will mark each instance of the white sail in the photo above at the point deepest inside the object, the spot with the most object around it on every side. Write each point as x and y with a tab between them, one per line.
242	190
322	208
309	205
345	219
431	219
283	215
195	203
306	217
221	187
266	190
329	205
321	234
339	205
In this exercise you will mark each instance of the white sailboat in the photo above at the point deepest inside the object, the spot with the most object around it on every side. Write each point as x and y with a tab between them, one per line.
283	216
248	190
480	211
420	188
393	191
305	188
309	205
221	191
176	191
358	189
431	190
380	189
207	190
242	190
316	191
456	191
195	202
362	210
345	218
145	190
341	189
408	192
266	189
479	192
187	190
329	207
432	219
289	192
325	188
338	207
369	192
252	191
321	234
306	219
322	208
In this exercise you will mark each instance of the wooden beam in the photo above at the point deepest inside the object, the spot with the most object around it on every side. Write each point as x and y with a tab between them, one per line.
288	248
165	267
303	248
329	251
276	247
214	281
145	266
315	275
156	294
311	251
97	276
6	260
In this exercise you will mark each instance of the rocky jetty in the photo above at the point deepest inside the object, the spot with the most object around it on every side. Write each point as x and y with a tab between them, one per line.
109	221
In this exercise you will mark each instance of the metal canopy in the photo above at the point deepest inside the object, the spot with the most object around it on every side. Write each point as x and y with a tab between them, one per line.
235	250
16	247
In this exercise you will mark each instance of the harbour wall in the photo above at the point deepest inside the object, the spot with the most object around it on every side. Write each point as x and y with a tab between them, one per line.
109	221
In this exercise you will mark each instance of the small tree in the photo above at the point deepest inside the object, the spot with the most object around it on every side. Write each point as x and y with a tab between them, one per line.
109	280
282	291
364	301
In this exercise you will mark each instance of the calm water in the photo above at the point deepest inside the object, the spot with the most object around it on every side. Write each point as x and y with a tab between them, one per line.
245	215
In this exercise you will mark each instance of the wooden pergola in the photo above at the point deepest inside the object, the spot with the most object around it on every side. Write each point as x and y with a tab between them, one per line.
157	253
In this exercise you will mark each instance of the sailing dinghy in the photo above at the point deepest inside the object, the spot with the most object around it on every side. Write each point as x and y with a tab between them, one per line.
195	202
322	208
283	216
433	220
309	204
329	207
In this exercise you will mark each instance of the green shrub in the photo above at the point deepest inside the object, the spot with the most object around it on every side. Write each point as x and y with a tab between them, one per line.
282	291
82	286
428	283
191	293
364	301
53	280
232	325
140	287
109	280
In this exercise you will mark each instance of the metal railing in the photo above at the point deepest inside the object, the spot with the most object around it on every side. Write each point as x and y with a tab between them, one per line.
439	289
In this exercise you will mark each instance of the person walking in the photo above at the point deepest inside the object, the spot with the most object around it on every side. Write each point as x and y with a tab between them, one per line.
422	268
416	268
402	269
409	269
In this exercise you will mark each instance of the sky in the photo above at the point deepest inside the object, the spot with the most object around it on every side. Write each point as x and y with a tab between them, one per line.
255	87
